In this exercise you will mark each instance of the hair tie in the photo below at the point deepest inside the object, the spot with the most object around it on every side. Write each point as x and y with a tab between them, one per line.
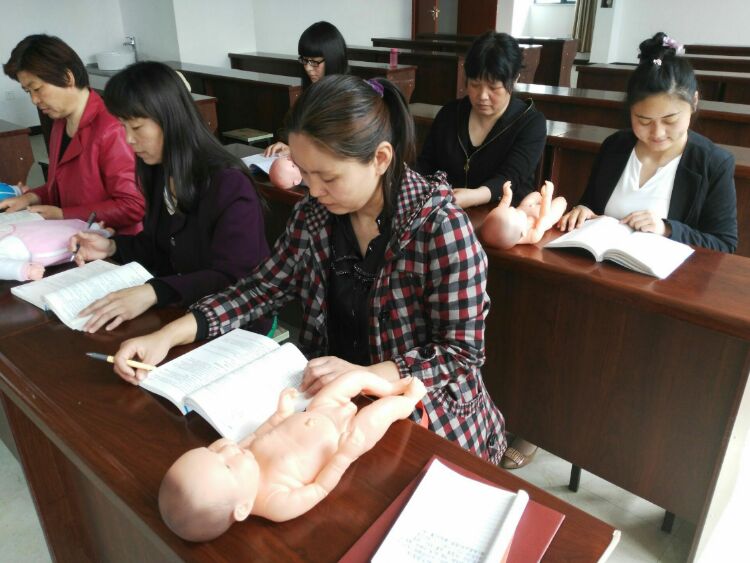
657	62
377	86
679	48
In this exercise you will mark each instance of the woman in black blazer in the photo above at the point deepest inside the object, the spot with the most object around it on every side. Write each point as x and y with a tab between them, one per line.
659	176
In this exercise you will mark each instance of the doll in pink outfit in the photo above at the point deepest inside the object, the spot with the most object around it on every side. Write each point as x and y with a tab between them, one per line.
289	464
507	226
27	248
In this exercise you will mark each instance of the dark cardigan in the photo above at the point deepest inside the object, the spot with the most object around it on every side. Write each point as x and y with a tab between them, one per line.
206	250
703	207
511	150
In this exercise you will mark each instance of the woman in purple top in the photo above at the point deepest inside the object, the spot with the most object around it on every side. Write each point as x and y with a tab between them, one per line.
203	228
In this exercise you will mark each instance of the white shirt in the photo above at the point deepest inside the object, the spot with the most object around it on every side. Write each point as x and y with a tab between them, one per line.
654	195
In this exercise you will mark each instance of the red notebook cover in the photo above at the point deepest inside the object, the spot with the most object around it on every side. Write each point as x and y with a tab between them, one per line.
535	531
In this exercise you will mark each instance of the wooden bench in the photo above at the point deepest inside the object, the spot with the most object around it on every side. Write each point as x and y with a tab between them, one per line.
555	62
731	87
721	63
724	123
402	75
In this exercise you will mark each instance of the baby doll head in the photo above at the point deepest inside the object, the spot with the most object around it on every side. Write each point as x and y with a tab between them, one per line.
504	227
284	173
208	489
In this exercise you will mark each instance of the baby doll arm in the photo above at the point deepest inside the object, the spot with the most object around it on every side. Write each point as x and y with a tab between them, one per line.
21	270
550	211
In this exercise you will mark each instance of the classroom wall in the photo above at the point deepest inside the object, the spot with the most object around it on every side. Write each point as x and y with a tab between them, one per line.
207	31
279	24
153	25
88	26
550	20
722	22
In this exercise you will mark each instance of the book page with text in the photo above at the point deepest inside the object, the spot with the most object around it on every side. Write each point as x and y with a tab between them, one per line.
238	403
68	301
476	521
35	291
179	377
596	235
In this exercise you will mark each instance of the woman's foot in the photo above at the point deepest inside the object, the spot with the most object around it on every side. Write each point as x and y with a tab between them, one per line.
519	454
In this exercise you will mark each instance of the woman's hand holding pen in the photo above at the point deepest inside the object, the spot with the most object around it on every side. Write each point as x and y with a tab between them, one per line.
93	246
118	307
153	348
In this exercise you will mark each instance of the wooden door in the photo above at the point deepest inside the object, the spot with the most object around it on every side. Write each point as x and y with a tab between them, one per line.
424	17
476	16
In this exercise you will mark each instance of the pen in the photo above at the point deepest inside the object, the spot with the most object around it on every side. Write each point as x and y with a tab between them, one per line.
90	222
111	360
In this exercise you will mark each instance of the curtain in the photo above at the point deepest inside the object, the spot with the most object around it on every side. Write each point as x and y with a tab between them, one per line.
583	24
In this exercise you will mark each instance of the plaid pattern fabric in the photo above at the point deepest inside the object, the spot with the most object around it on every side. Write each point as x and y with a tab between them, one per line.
427	311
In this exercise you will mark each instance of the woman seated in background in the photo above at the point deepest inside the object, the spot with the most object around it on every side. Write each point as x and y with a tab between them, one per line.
487	138
203	228
659	176
388	272
322	52
91	167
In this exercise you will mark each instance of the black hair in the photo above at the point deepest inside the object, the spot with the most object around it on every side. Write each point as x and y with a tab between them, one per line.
350	117
191	153
495	57
49	58
661	71
323	39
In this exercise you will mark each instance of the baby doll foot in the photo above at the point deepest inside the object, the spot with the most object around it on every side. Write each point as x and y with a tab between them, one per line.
415	390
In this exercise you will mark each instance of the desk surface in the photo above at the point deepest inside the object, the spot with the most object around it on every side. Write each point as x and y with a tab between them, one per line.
113	443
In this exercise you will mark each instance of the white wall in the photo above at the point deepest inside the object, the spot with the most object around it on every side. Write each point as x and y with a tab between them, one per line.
88	26
279	24
555	20
688	21
153	25
208	30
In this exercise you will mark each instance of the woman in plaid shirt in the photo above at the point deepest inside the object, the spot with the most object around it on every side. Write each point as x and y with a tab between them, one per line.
388	271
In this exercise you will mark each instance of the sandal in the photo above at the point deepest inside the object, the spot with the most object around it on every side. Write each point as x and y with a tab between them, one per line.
515	459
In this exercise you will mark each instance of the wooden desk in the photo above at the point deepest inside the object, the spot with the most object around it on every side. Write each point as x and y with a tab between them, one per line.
244	99
556	58
403	76
439	77
16	156
733	87
727	50
724	123
94	450
632	378
722	63
445	45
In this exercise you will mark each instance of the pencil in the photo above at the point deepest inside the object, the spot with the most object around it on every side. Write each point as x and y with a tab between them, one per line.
111	360
90	222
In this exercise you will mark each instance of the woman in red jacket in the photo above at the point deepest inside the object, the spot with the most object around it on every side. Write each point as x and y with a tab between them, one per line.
91	167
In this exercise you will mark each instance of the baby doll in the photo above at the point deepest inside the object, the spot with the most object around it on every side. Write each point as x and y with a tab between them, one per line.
284	173
289	464
506	226
26	248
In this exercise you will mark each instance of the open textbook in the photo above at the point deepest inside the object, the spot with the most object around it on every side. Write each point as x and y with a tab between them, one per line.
477	521
262	163
233	381
608	239
68	292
